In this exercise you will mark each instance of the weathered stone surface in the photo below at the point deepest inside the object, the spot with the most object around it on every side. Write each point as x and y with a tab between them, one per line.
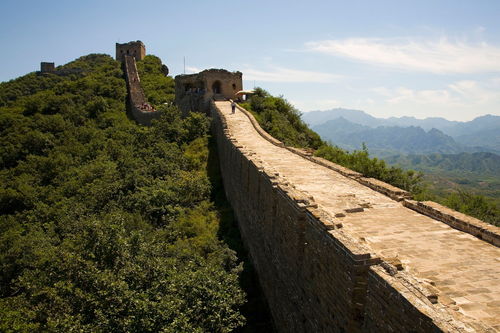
321	278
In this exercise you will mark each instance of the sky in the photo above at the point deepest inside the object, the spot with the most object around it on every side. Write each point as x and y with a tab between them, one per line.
388	58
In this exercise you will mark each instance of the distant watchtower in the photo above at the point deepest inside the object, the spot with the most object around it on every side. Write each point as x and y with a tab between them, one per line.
47	67
135	49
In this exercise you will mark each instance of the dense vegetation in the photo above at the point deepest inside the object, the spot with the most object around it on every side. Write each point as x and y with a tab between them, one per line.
472	172
158	88
283	121
473	205
481	163
280	119
107	226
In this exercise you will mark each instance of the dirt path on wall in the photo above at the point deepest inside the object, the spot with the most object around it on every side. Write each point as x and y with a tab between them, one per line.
462	267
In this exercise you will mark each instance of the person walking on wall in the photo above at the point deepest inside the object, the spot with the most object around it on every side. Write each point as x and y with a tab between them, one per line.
233	106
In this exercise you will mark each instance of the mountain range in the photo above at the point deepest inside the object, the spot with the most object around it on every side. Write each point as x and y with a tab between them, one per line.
349	129
486	164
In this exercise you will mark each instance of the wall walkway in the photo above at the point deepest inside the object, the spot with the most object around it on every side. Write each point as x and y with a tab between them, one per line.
335	255
136	97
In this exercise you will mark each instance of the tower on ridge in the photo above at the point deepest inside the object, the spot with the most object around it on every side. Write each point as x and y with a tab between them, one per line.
193	92
47	67
135	49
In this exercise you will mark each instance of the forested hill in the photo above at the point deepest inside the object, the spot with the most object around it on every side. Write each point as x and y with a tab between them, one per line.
107	226
481	163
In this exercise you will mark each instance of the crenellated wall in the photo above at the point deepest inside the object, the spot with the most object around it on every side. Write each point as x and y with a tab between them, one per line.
136	97
316	276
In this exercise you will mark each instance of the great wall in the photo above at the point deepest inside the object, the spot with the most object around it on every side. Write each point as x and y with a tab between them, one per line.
335	251
137	107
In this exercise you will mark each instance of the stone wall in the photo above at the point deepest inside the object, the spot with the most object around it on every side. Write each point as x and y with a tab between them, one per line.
395	303
316	277
47	67
136	95
193	92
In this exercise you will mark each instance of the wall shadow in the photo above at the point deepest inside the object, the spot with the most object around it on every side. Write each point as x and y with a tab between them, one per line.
256	309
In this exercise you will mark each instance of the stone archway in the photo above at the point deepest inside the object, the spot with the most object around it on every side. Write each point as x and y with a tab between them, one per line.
217	87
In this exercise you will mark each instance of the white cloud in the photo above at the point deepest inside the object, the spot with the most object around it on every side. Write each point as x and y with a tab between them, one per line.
328	103
465	93
281	74
480	29
307	105
478	92
438	56
435	97
191	69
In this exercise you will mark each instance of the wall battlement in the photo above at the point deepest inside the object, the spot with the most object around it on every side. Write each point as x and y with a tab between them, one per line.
336	256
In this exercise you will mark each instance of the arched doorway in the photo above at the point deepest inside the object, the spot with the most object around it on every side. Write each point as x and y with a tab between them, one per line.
216	87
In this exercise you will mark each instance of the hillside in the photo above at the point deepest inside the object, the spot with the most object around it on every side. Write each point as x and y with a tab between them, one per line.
445	173
481	163
105	225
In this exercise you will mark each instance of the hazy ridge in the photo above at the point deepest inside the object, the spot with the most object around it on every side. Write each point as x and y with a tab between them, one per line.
350	128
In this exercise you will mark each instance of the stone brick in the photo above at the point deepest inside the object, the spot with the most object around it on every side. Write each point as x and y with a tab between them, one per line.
318	277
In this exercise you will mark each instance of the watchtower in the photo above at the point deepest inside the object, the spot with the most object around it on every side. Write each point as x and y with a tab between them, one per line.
47	67
193	92
135	49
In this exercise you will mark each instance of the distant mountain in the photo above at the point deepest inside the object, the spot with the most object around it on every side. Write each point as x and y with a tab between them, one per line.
480	134
356	116
483	131
383	141
479	124
426	124
488	138
480	163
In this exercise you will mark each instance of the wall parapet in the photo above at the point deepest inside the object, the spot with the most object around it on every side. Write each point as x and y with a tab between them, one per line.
397	302
482	230
457	220
316	276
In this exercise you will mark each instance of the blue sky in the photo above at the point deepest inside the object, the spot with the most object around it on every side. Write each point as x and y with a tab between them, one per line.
388	58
